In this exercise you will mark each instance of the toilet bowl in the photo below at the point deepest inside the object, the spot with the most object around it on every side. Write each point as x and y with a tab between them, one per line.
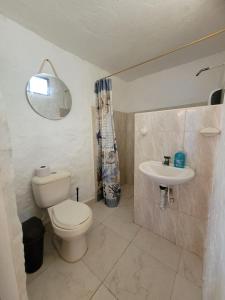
70	219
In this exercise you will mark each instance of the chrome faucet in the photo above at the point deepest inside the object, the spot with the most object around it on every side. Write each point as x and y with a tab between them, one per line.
166	161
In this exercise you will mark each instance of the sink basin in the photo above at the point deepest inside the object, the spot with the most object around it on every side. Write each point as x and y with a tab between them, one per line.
166	175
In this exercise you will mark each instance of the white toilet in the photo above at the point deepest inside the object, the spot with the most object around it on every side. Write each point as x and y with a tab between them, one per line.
70	219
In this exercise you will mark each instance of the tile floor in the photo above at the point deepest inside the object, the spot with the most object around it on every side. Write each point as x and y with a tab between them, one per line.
124	261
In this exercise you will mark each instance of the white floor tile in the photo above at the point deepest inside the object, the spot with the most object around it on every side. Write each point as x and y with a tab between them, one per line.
165	251
65	281
191	267
185	290
144	269
104	249
121	221
101	211
103	294
137	275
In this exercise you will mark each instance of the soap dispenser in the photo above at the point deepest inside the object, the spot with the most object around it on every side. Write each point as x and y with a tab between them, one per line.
180	159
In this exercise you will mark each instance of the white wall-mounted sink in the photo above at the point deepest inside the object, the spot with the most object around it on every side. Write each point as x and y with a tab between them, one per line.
166	175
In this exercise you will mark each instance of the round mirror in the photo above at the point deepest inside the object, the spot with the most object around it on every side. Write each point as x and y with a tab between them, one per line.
48	96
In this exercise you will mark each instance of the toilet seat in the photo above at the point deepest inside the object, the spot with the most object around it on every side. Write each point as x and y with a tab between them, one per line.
69	214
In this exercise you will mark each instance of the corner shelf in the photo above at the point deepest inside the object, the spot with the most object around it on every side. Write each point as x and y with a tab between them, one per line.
210	131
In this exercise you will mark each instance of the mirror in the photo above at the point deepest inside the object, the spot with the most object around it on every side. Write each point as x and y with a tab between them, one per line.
48	96
216	97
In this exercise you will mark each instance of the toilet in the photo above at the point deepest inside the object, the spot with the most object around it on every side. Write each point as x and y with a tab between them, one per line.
70	219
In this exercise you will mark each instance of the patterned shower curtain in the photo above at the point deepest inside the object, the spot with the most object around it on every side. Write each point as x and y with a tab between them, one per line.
108	174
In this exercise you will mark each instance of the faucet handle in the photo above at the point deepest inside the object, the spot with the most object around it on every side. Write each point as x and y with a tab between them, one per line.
167	160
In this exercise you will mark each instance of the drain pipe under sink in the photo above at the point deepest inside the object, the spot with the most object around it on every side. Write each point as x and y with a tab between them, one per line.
166	196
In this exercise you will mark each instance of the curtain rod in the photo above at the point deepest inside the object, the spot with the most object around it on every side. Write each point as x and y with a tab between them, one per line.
204	38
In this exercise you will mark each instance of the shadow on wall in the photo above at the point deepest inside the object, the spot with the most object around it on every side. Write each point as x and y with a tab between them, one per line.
13	277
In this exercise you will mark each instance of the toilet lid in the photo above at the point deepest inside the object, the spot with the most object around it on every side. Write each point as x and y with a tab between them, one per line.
70	214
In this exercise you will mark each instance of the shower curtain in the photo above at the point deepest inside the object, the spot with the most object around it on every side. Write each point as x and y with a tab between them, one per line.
108	174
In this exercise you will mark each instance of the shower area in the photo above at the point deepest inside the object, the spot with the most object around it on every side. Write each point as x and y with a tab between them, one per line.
124	131
150	135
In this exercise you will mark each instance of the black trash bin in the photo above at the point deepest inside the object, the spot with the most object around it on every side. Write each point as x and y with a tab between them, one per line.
33	239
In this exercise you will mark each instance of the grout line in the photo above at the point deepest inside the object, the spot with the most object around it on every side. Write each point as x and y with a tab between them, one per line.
125	249
129	242
100	284
158	260
103	281
173	286
109	291
125	238
176	273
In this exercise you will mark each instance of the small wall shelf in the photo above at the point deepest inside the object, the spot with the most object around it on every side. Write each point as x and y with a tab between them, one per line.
210	131
144	131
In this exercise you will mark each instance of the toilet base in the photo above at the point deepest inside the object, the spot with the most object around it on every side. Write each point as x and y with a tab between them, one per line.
71	250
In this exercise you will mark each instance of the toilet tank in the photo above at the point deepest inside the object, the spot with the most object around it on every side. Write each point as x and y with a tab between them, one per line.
52	189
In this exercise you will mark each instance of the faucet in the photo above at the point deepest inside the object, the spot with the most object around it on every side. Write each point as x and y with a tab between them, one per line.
166	161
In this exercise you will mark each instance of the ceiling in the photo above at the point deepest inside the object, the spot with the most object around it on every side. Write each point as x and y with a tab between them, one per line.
114	34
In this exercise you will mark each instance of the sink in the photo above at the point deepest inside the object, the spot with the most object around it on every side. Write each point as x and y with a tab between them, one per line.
166	175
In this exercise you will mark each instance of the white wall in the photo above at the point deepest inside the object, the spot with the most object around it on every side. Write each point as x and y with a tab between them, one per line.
66	143
171	87
214	270
13	277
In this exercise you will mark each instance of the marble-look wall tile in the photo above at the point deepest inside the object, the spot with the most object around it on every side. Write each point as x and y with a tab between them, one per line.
130	149
95	154
167	132
144	201
198	118
155	145
167	120
165	223
200	152
194	197
191	233
148	213
120	122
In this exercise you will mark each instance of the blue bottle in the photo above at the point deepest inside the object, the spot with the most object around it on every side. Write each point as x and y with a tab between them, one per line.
180	159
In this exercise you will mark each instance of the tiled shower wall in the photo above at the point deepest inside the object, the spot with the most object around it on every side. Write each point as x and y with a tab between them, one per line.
124	129
184	223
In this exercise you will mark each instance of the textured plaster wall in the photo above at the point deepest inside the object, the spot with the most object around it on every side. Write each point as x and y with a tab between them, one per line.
171	87
13	278
214	270
185	221
64	144
116	34
55	104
